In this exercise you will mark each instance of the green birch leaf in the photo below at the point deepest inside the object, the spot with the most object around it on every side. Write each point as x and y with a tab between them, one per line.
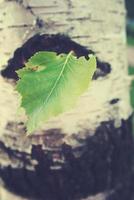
50	84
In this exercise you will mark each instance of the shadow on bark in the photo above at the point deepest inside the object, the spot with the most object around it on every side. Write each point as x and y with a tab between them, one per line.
106	164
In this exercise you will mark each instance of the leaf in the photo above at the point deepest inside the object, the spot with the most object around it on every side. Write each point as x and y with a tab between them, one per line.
50	84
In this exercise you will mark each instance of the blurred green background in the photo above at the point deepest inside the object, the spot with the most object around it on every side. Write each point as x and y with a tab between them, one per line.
130	45
130	22
130	41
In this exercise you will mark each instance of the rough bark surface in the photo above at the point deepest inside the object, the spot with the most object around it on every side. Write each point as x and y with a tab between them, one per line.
88	150
91	24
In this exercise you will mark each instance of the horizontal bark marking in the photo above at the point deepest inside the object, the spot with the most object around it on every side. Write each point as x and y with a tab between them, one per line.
43	7
120	2
122	13
94	42
109	51
97	20
56	13
106	38
114	101
59	25
21	26
7	53
117	12
80	36
113	11
79	19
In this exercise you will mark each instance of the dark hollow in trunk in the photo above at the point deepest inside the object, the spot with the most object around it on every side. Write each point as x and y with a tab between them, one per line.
57	43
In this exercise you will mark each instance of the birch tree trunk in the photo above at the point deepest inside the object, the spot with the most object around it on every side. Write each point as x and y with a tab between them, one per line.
84	154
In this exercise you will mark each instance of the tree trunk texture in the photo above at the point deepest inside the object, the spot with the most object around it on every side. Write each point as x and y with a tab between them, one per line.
83	154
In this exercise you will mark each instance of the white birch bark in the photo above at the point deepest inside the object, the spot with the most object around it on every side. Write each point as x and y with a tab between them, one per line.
98	25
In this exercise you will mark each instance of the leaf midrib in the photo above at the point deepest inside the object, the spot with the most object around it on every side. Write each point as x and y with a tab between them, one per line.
58	79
